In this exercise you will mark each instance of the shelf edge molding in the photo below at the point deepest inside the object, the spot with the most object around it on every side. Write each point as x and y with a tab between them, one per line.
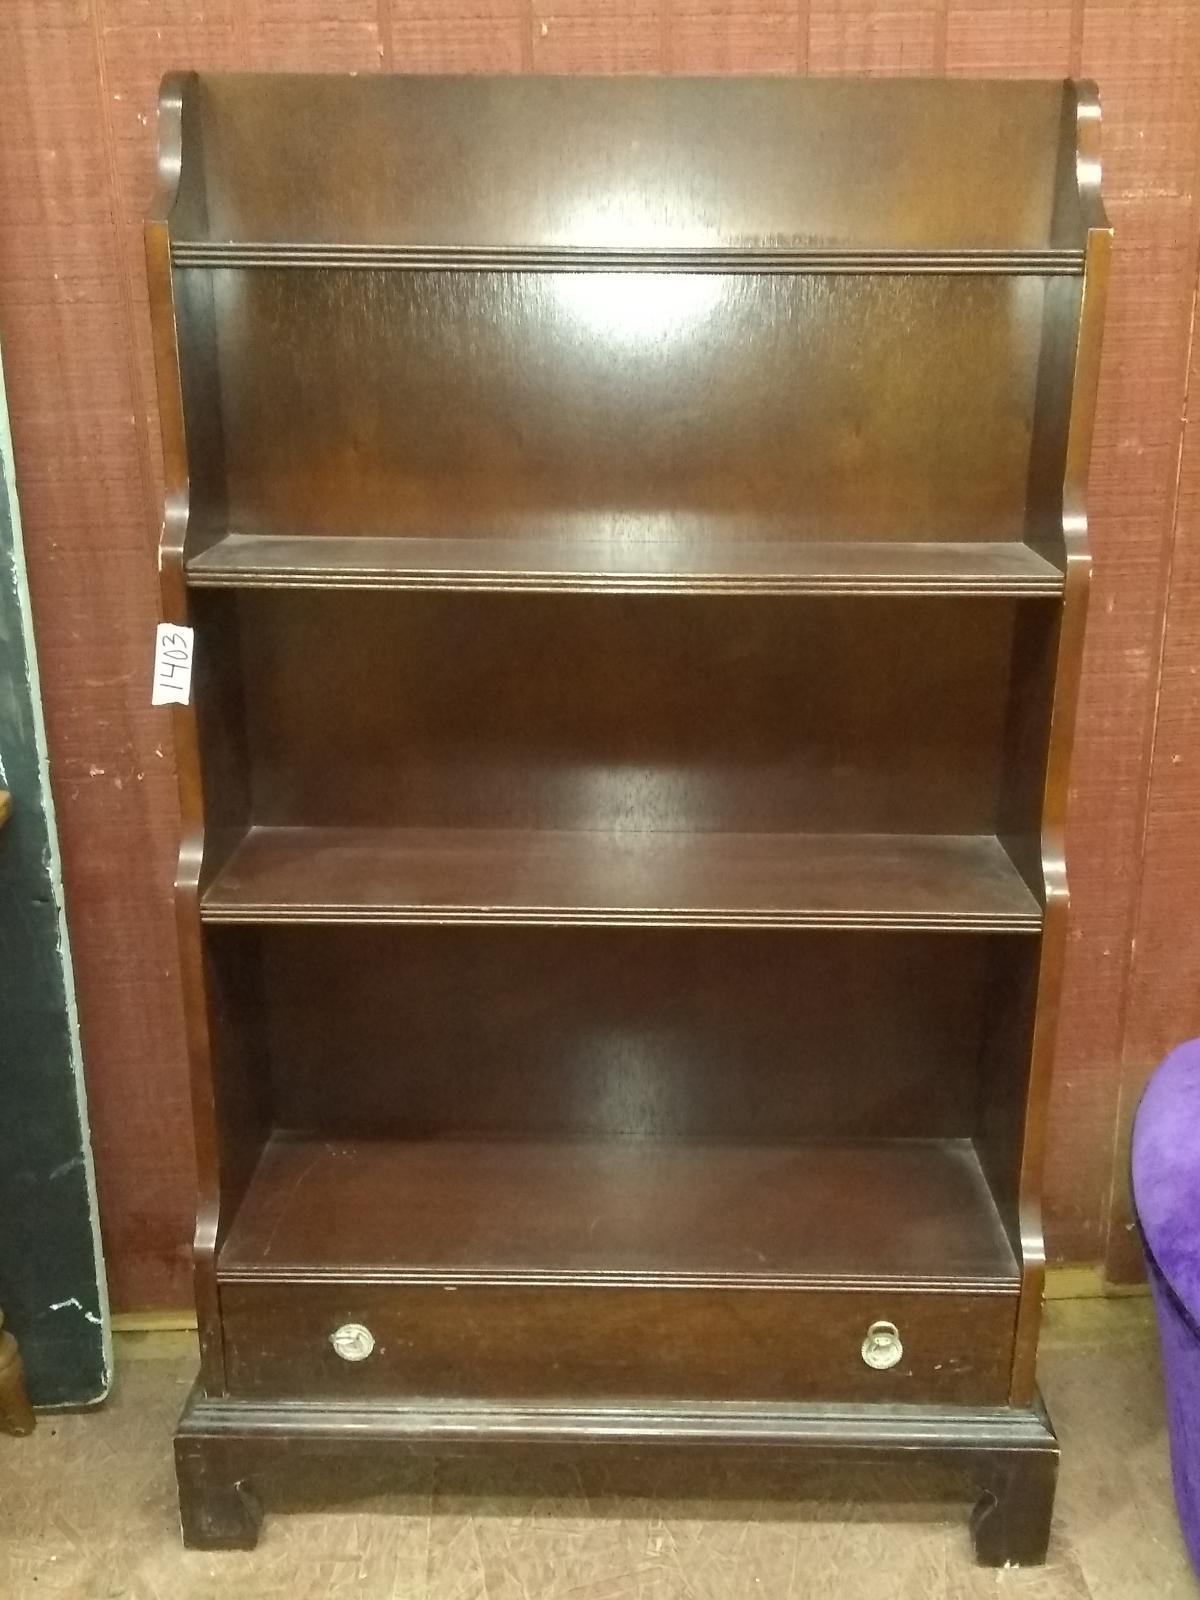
796	260
797	1282
498	917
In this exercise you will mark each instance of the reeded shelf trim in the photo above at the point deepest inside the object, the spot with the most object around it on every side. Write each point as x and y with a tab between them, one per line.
577	917
835	1429
811	1282
579	258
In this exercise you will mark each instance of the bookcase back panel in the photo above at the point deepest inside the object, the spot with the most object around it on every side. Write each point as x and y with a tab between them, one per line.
840	406
631	161
644	713
590	1033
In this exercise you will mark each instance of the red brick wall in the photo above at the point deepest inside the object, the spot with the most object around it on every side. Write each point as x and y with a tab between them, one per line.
78	82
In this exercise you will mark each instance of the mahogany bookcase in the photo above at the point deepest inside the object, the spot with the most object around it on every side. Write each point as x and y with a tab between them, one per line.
634	534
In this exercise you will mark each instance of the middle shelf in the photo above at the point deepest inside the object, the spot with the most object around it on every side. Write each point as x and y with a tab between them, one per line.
642	555
542	877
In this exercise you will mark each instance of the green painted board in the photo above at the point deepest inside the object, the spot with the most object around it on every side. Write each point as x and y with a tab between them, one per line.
52	1287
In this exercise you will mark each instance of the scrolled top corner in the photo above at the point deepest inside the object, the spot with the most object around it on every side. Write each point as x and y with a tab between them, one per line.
1088	172
173	94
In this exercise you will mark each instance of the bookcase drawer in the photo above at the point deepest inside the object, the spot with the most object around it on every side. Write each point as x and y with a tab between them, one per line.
599	1341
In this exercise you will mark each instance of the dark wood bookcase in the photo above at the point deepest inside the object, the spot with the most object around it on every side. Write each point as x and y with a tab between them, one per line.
634	534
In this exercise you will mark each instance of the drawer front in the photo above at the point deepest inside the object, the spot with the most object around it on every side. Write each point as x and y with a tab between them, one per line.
492	1342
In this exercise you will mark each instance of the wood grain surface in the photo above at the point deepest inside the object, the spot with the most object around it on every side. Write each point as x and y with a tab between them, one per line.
78	85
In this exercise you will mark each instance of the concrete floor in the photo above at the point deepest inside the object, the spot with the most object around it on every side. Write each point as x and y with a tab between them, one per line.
87	1508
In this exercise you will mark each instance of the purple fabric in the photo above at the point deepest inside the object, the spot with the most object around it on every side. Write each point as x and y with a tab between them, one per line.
1166	1192
1181	1363
1166	1172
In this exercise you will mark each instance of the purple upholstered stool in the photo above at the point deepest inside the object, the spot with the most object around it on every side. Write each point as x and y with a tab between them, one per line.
1166	1192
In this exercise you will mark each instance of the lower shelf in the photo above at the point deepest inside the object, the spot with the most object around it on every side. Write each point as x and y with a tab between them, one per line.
848	1213
619	1269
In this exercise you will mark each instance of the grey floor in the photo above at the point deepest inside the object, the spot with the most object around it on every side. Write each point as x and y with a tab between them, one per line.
87	1509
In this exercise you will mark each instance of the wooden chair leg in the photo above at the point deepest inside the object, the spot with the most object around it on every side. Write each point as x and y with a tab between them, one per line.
16	1414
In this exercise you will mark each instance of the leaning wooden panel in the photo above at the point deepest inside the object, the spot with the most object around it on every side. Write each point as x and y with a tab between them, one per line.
638	579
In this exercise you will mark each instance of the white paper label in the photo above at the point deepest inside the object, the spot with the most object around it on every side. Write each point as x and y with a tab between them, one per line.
172	665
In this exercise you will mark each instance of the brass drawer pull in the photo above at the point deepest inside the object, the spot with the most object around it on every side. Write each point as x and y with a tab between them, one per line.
882	1348
352	1341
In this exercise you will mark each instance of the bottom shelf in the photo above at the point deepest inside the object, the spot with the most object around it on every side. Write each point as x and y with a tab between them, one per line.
903	1211
587	1271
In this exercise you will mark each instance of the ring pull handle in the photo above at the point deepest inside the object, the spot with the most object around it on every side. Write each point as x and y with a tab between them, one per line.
883	1347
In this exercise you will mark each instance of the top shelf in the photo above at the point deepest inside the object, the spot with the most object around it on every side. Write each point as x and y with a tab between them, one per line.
628	174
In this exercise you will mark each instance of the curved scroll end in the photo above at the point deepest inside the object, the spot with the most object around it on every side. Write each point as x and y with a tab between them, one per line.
174	91
1078	547
173	535
1087	154
1033	1246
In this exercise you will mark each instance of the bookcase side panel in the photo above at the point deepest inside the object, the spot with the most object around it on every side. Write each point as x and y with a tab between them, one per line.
1083	342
